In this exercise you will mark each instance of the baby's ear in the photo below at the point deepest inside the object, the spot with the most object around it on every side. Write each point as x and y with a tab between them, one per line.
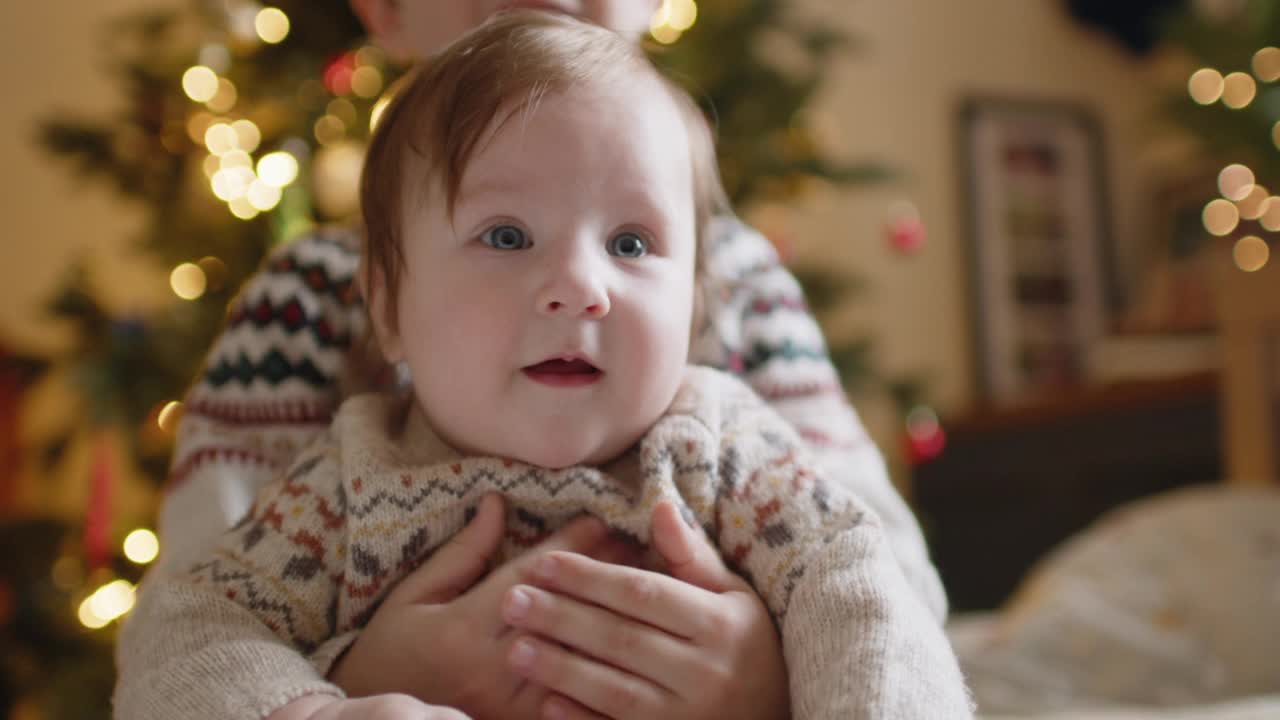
373	288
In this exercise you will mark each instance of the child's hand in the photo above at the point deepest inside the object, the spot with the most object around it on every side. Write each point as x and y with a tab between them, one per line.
379	707
439	639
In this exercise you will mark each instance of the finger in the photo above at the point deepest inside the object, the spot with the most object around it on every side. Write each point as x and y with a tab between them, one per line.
559	707
637	648
457	564
648	597
597	687
617	550
688	553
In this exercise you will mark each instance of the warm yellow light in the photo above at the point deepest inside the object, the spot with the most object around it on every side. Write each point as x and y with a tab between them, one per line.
200	83
1266	64
197	125
187	281
221	139
1235	181
1221	217
1254	203
342	109
231	183
112	600
1251	253
665	34
212	164
141	546
380	107
1205	86
366	81
235	159
247	135
242	208
167	420
329	129
1238	90
225	98
277	168
370	55
263	196
683	14
1271	214
88	618
271	24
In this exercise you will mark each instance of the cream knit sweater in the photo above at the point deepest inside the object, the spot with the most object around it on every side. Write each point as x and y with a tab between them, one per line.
260	621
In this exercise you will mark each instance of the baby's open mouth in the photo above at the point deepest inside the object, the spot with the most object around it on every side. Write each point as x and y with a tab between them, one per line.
559	372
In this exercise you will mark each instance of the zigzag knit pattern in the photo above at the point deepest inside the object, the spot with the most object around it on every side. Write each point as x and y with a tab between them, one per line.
359	510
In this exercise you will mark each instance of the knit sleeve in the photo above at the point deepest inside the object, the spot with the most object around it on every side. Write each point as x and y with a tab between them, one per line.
857	640
268	385
760	329
232	637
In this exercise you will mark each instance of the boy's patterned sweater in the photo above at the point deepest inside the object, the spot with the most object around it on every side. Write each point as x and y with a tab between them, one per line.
271	383
360	508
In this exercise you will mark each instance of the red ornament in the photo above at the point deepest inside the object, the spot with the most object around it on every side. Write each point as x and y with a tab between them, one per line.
907	234
337	74
97	517
925	438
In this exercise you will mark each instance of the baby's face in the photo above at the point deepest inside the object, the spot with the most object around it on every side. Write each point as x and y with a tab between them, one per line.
548	320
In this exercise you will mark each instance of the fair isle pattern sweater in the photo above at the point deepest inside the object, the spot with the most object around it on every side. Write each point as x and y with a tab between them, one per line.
360	509
270	384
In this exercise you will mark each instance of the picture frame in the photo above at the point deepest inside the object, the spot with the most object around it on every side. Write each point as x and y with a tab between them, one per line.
1041	273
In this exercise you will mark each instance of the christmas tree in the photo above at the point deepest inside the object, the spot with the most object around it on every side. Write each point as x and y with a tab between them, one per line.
1231	105
246	126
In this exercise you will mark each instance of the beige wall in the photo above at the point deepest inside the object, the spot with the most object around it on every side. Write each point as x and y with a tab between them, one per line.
50	62
896	101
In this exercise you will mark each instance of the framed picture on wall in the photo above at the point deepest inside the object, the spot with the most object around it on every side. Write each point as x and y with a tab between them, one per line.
1040	276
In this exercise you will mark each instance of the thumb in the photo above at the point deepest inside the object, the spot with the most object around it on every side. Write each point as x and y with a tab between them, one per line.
459	563
689	555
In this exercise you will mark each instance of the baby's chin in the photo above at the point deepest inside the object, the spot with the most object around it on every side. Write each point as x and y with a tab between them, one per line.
564	456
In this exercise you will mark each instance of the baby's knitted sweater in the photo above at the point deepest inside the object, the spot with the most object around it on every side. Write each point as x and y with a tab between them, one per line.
270	385
360	509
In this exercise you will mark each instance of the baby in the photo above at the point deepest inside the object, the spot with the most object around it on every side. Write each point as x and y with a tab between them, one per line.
537	204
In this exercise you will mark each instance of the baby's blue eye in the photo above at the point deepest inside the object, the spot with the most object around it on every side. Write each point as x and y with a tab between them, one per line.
505	237
628	244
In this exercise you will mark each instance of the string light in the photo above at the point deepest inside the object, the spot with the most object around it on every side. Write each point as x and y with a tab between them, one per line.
1266	64
106	604
1239	89
1235	181
1251	253
271	24
187	281
1271	214
1205	86
1221	217
247	135
242	208
366	81
1254	203
200	83
225	97
220	139
672	19
329	129
141	546
263	196
277	168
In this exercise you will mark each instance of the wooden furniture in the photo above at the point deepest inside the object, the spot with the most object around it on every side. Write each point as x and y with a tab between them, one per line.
1014	483
1249	308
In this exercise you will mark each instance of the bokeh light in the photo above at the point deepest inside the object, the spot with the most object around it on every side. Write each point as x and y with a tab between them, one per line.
1266	64
1239	89
1235	181
1221	217
200	83
1254	204
271	24
1205	86
277	168
141	546
187	281
1251	253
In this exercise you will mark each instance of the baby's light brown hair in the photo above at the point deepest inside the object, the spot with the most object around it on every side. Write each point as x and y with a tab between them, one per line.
501	69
